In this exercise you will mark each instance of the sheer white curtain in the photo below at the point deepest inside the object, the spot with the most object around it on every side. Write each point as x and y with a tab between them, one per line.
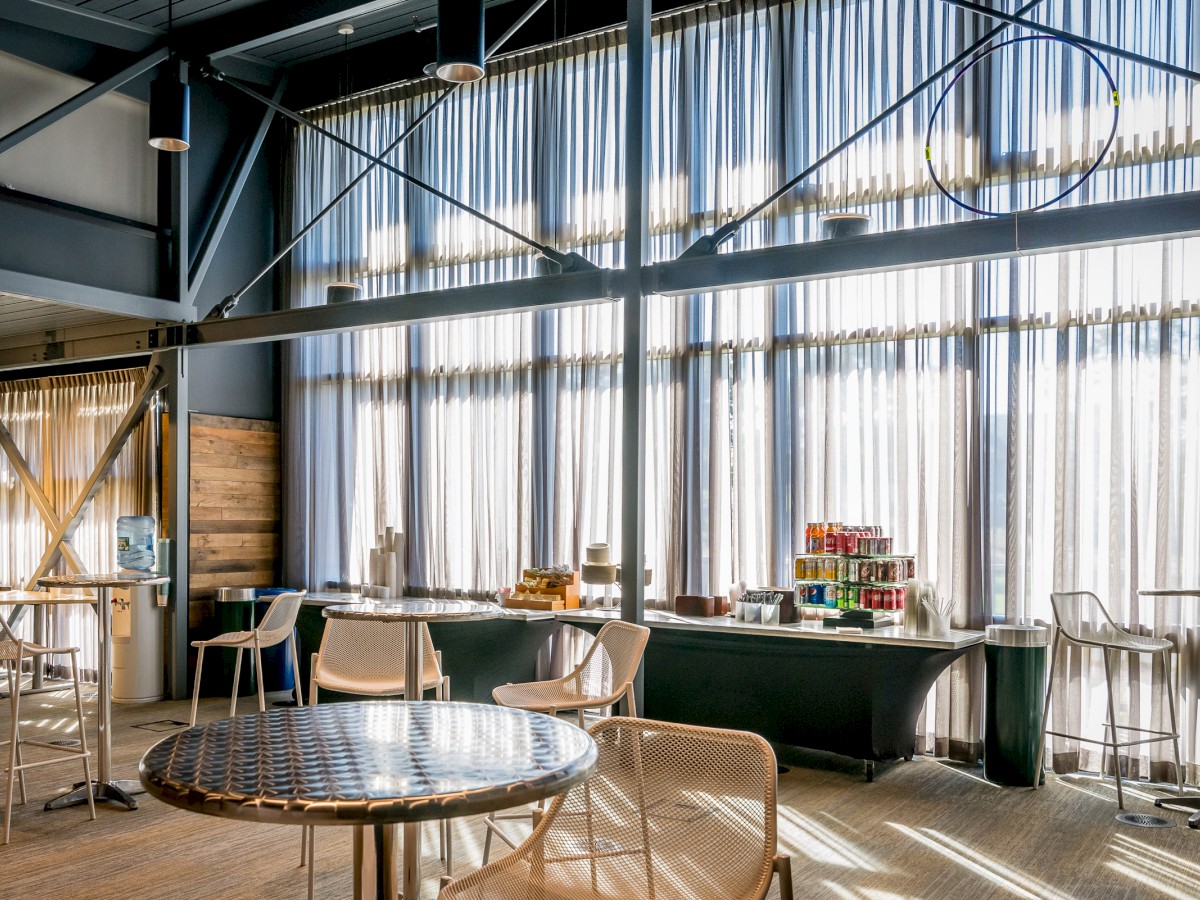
883	398
61	425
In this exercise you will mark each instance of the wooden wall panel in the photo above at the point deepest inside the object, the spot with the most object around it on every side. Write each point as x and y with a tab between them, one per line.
234	510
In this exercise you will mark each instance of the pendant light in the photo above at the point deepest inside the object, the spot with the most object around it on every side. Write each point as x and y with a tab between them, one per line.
170	103
344	291
460	40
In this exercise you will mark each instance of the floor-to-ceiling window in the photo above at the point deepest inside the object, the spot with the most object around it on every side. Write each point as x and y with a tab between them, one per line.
1021	426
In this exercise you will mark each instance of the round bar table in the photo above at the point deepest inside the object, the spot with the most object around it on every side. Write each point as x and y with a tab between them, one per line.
105	787
409	614
371	765
1185	802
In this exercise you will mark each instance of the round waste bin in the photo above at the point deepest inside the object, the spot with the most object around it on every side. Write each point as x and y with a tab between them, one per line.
137	645
1016	683
277	660
235	612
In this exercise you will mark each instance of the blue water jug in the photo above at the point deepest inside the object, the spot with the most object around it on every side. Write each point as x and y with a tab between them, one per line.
135	543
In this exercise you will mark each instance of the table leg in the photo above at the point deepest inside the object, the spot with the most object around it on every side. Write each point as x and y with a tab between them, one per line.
374	862
414	669
104	788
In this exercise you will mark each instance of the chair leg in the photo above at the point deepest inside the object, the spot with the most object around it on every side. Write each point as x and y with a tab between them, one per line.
312	859
782	864
196	685
296	669
1112	729
237	675
448	826
631	700
83	746
488	825
262	697
1174	724
1041	754
15	737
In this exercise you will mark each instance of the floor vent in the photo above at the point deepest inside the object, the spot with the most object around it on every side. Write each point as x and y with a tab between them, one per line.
1141	820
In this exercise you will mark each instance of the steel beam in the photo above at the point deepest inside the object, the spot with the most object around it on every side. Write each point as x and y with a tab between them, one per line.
79	22
1021	234
265	23
84	296
68	525
79	213
634	340
230	193
404	309
176	499
83	98
1099	46
44	507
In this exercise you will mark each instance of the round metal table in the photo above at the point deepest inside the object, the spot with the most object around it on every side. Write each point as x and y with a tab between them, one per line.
371	765
105	787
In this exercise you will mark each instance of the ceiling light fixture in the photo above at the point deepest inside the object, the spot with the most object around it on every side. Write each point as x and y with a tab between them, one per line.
460	46
170	103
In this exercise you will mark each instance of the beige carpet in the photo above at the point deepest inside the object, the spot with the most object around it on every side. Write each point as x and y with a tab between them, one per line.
923	829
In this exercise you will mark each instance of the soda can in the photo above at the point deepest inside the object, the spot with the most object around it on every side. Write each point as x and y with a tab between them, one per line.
816	594
829	566
889	598
835	597
885	546
901	597
895	570
910	566
875	598
799	569
851	597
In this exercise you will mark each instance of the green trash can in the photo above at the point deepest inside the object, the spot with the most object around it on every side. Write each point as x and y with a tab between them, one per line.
1016	692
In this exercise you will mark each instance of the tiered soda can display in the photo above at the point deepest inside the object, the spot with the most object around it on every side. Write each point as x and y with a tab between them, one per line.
852	567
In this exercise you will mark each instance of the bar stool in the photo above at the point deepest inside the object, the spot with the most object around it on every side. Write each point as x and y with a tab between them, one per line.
604	676
13	652
1081	619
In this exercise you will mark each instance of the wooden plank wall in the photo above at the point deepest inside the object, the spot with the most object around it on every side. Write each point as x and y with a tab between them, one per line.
235	509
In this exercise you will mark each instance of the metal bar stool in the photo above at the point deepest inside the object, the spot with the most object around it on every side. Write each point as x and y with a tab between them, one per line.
1081	619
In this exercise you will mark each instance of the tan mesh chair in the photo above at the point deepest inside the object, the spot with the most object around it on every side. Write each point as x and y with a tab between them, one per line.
1081	619
276	627
367	658
673	812
603	678
13	652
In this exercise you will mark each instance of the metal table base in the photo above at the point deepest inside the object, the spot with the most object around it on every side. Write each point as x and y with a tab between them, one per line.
1186	803
115	791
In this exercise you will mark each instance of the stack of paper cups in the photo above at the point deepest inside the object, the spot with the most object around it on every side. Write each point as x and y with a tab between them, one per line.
912	607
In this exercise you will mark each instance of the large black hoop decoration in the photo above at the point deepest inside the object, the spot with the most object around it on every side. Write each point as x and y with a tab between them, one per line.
1112	134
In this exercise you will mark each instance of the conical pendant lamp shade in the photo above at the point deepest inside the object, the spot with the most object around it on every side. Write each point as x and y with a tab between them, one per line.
170	114
460	40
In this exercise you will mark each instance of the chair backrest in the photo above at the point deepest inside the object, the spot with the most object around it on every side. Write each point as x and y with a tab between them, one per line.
280	618
671	812
371	655
1082	617
612	660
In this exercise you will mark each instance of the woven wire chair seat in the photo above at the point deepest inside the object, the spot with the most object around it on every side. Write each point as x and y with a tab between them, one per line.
674	812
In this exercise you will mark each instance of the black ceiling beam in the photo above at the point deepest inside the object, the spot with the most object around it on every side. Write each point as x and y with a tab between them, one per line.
265	23
229	193
83	98
81	23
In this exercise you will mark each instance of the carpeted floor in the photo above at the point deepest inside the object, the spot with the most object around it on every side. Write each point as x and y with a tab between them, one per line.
922	829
